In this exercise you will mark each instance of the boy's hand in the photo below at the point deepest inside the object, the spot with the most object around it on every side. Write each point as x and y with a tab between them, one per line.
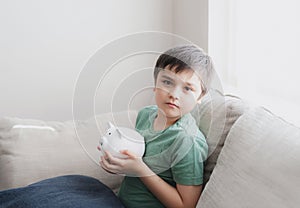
131	166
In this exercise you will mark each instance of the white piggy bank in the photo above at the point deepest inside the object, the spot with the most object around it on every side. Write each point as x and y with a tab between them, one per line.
121	138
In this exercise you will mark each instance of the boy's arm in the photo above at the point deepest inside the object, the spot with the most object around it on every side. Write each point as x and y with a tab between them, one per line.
181	196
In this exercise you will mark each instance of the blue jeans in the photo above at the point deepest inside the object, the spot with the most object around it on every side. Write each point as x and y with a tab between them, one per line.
64	191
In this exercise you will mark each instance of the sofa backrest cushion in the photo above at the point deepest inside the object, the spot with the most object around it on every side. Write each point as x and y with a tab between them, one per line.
215	116
32	150
258	165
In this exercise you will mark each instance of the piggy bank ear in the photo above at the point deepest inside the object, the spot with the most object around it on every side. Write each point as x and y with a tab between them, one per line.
119	133
110	125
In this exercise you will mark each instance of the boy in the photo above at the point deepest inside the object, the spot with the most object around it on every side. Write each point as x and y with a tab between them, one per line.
170	174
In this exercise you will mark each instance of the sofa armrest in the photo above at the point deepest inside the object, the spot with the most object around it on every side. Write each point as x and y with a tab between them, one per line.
258	165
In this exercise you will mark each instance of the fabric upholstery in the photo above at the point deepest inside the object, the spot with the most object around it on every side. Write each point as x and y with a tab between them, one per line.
215	116
258	165
37	150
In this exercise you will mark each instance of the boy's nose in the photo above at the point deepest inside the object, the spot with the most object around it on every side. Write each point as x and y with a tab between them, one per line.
175	93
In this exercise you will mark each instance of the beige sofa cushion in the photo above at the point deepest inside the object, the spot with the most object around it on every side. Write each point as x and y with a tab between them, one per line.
215	116
31	150
258	165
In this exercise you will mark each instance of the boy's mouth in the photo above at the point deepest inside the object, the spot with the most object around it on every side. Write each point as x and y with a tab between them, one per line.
172	105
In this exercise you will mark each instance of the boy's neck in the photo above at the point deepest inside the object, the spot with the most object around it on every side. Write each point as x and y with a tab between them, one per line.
161	122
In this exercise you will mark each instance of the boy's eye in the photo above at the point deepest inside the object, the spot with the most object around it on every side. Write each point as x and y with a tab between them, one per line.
188	89
166	82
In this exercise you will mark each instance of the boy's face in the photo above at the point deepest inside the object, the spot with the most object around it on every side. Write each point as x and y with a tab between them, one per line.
177	93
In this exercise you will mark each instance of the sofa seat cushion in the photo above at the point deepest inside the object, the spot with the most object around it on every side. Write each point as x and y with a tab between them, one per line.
32	150
259	164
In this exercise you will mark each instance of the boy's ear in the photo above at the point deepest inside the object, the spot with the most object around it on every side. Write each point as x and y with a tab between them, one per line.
199	100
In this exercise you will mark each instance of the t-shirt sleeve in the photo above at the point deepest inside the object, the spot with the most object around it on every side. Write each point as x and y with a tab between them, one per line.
143	117
189	170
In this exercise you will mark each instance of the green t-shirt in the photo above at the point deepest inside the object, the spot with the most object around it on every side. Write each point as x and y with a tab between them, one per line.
175	154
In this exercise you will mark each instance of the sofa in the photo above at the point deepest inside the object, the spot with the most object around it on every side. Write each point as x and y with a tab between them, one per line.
254	155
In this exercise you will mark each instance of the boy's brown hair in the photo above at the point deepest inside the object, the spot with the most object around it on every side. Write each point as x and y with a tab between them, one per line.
188	57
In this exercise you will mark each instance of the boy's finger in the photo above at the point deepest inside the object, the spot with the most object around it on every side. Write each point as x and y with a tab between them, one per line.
107	164
104	165
112	159
128	153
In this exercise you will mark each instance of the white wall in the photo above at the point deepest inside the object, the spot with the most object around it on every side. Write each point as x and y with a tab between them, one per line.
220	37
255	45
45	45
190	20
